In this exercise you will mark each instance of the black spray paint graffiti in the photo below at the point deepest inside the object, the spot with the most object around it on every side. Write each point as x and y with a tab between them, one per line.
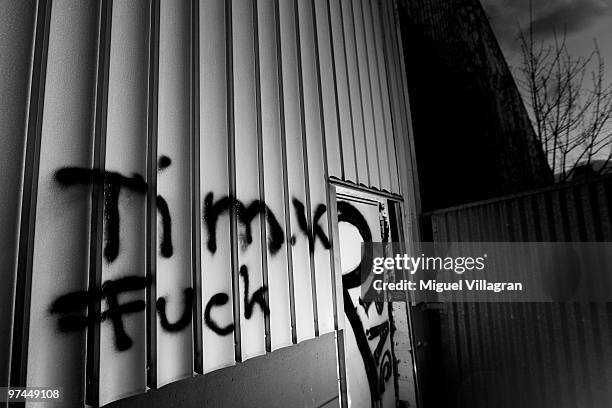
185	318
381	331
112	182
386	369
257	298
366	307
317	231
376	380
220	299
212	211
165	245
217	300
73	306
246	214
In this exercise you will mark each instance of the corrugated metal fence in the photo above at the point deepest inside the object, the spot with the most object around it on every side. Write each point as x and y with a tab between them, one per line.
528	354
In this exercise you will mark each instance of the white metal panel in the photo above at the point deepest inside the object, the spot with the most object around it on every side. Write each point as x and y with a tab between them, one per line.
389	156
173	272
274	176
364	75
123	366
252	333
61	247
217	297
354	86
345	105
276	92
328	89
302	284
372	51
393	81
316	169
17	22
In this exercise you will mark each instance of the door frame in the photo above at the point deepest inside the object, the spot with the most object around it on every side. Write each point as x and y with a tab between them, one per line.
395	205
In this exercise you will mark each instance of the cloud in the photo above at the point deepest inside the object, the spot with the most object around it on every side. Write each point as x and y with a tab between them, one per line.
574	16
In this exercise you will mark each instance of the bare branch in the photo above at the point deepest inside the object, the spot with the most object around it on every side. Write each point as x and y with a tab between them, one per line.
572	117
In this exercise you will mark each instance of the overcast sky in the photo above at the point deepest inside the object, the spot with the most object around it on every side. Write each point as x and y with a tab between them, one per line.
584	20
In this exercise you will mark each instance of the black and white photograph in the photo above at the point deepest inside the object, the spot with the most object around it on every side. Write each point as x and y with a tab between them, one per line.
306	203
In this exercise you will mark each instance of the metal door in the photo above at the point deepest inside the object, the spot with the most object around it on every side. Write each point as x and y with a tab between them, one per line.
367	339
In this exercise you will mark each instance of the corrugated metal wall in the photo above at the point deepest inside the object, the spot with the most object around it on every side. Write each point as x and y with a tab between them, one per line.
529	354
165	169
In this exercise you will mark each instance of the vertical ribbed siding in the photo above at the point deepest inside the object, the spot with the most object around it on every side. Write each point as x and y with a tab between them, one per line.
152	169
361	134
27	222
277	265
315	144
173	189
367	111
388	153
355	93
92	374
261	175
16	45
343	101
256	105
63	213
296	167
556	354
379	129
214	177
248	163
328	318
196	212
123	371
328	88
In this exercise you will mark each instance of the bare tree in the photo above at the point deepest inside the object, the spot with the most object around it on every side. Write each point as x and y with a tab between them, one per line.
569	102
